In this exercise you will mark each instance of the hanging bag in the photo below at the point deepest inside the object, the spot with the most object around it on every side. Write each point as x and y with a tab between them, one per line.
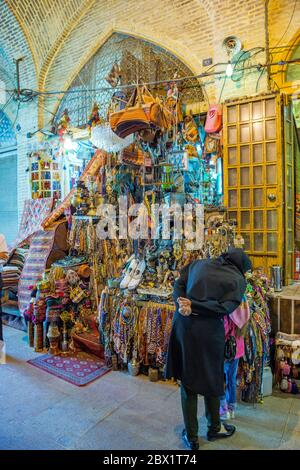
152	107
190	130
131	119
213	119
133	155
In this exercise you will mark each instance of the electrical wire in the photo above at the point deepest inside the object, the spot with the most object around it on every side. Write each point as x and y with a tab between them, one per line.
279	88
258	50
292	16
17	114
47	110
5	106
258	80
29	94
222	89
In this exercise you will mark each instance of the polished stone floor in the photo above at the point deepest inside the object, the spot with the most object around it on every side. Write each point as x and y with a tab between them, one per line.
117	412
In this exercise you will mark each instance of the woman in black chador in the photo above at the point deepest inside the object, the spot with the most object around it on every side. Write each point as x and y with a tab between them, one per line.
205	292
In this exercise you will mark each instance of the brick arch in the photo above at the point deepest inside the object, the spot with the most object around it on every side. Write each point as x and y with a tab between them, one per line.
58	43
17	43
178	28
102	40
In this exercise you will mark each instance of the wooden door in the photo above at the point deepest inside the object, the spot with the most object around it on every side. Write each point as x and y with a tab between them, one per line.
253	176
289	189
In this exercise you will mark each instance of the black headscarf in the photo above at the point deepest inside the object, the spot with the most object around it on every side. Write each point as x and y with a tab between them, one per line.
238	258
215	285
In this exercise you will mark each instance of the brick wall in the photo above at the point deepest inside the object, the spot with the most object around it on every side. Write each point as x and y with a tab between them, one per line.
28	123
15	44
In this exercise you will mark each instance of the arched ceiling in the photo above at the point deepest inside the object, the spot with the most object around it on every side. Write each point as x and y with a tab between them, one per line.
137	59
57	38
63	35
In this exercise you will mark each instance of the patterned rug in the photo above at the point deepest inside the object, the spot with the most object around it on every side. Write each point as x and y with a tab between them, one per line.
35	264
34	212
79	369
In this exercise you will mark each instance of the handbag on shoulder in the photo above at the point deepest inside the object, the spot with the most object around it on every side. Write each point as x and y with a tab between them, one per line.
230	345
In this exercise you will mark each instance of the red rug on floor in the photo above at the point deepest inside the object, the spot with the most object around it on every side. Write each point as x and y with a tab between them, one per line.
79	369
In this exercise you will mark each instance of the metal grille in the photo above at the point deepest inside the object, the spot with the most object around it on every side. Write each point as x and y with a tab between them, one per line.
139	60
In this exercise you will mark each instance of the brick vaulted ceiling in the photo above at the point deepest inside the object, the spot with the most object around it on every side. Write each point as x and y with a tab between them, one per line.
57	37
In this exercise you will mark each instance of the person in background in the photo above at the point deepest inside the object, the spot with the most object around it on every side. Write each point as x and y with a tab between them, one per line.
3	259
233	325
206	291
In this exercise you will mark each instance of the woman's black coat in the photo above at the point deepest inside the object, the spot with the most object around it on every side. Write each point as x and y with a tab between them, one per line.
196	348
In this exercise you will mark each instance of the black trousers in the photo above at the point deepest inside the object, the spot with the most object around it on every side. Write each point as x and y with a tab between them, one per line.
189	402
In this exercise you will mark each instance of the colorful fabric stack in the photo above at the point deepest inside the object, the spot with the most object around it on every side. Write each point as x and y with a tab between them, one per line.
40	248
13	269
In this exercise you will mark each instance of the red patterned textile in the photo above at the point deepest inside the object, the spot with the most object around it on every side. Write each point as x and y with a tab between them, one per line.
34	212
35	265
79	369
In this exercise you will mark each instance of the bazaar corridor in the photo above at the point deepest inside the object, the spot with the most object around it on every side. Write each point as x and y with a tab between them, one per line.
121	412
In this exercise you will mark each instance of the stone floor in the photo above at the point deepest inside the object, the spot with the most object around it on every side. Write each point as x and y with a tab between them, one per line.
117	412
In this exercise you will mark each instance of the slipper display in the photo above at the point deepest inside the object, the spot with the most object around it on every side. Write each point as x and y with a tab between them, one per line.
129	273
137	275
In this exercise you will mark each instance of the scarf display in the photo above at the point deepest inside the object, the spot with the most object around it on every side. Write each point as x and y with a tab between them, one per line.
256	336
135	330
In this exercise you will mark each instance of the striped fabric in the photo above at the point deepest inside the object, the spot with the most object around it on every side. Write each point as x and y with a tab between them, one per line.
13	268
35	265
34	212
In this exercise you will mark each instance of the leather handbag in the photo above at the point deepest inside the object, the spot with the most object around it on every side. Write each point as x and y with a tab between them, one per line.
132	118
133	155
190	131
158	114
230	348
213	119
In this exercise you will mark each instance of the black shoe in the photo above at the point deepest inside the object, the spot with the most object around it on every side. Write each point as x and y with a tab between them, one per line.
193	444
226	430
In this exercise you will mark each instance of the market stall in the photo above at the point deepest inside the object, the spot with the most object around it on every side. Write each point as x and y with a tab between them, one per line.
111	294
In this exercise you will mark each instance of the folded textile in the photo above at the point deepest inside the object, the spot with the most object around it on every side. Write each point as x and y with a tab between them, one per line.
241	315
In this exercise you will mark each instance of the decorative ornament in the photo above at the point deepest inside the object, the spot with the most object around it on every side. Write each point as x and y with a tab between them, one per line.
63	124
94	118
114	75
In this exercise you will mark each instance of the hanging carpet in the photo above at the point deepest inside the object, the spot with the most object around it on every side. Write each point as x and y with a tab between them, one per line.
45	248
34	212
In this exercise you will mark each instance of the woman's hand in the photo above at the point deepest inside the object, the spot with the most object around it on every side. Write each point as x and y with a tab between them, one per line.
185	306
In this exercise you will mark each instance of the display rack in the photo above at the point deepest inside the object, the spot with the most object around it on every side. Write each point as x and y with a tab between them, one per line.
45	179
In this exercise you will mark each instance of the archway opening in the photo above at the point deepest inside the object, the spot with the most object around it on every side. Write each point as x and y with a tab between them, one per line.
8	179
139	60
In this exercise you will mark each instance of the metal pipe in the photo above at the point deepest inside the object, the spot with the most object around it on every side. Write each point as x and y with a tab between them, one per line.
18	75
